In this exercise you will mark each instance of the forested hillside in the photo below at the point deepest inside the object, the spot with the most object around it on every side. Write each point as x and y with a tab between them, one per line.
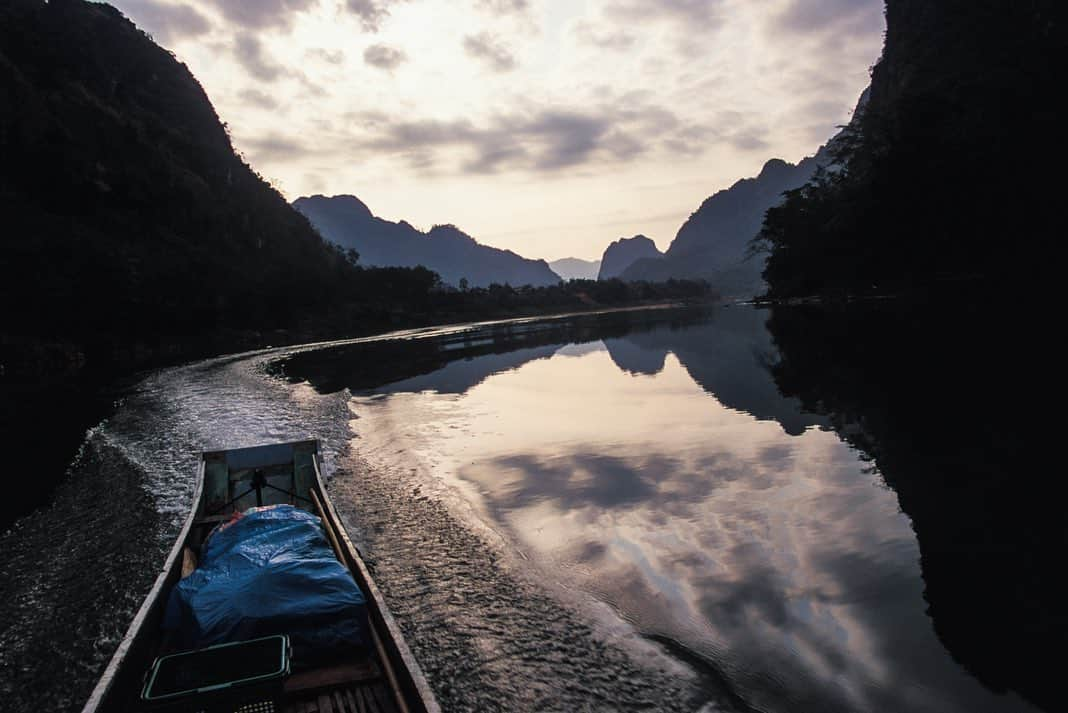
445	249
130	222
948	172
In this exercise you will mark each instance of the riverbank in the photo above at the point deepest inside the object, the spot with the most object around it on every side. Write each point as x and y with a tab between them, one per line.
53	391
657	480
125	497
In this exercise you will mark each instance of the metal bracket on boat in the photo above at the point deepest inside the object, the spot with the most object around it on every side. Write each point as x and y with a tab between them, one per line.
259	482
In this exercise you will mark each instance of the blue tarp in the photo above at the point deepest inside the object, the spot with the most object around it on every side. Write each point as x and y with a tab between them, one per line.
270	572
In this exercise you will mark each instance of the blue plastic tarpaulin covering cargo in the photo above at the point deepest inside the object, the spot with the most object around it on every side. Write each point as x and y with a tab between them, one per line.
269	572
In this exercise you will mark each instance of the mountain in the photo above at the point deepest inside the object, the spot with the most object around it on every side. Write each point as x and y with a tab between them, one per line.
950	197
897	379
713	242
572	268
130	224
622	253
132	234
445	249
952	171
727	355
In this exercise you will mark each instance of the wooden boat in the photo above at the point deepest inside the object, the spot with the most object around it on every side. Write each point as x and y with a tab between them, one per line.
384	677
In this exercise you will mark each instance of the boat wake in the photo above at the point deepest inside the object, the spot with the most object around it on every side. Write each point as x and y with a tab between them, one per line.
489	638
487	635
74	573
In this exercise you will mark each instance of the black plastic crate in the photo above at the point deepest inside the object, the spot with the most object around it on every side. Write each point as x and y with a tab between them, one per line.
225	677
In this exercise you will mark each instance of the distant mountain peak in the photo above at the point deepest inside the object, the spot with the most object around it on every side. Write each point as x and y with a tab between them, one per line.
345	201
774	169
637	242
573	268
449	231
713	242
622	253
456	256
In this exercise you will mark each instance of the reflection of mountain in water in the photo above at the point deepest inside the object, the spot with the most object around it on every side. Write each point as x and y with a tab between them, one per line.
635	357
458	376
933	395
906	387
727	352
729	356
779	565
432	363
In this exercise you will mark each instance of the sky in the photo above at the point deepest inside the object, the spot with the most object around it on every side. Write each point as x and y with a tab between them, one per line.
549	127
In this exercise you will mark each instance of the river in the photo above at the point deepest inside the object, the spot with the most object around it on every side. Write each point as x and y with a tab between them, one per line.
653	510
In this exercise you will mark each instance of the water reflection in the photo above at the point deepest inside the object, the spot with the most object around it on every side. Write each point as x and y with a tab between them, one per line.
660	470
938	391
729	357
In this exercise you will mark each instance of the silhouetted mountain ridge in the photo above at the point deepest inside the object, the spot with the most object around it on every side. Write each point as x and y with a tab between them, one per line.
930	390
129	219
622	253
728	355
716	241
713	243
573	268
948	173
445	249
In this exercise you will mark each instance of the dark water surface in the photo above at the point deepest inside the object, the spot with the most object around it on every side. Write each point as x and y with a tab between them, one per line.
729	510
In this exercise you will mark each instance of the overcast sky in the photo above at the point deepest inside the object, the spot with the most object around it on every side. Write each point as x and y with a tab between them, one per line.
548	127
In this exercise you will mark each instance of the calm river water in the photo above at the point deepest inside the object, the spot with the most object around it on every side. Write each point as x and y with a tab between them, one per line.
614	512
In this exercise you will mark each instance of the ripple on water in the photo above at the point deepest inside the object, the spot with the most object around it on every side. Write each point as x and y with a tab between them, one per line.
487	636
70	579
73	574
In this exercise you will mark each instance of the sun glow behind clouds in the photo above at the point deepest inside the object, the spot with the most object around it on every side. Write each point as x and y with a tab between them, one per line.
550	128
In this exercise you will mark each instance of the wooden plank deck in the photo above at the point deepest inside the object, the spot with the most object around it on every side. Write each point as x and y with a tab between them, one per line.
354	686
362	697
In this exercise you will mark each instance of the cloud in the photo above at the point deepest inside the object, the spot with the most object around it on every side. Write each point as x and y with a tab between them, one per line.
585	33
545	140
310	88
259	14
749	139
822	16
328	56
569	138
622	145
166	21
372	13
258	98
688	141
384	57
489	49
250	53
276	148
492	156
696	14
825	109
315	181
503	7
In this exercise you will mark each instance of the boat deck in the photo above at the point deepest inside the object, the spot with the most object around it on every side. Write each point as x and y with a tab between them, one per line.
355	686
356	698
352	698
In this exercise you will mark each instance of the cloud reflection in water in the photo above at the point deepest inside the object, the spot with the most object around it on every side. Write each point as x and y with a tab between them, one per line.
781	559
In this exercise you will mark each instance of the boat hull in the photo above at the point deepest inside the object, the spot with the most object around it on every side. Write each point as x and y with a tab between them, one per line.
390	678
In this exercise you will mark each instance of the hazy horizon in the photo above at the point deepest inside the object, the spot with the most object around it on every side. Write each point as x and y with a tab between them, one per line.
550	129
